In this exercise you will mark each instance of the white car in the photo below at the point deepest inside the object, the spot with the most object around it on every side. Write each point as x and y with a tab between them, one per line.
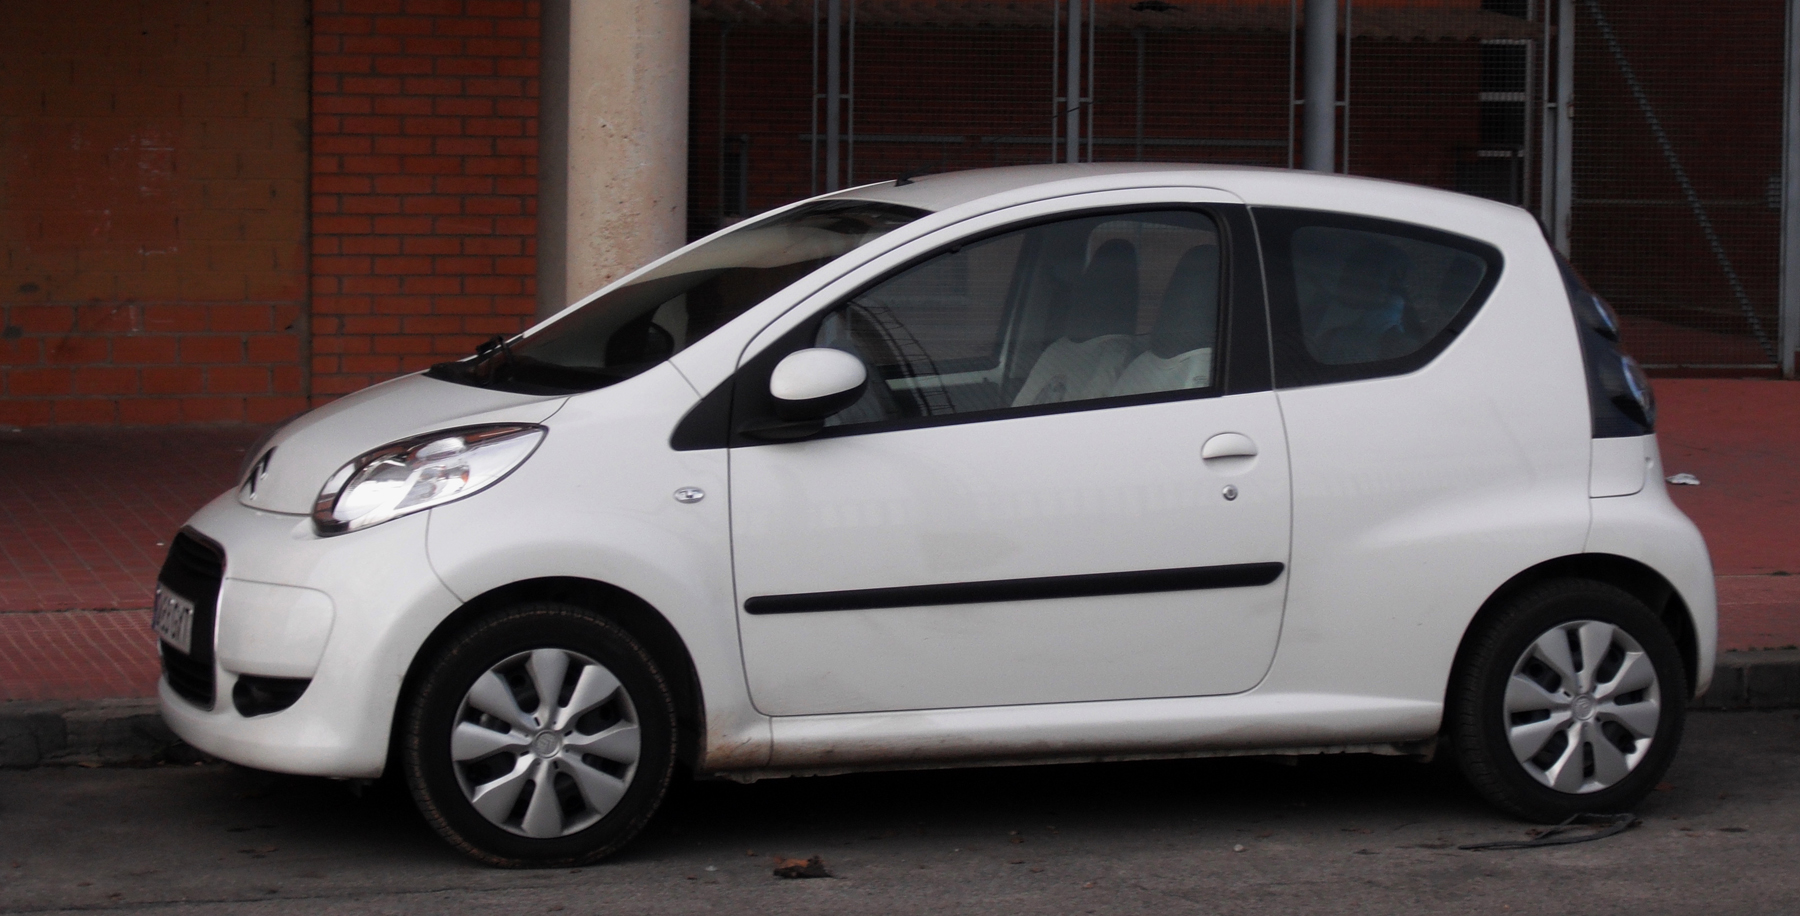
1043	463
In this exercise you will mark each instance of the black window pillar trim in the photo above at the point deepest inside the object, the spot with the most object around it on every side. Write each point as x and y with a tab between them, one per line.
1248	359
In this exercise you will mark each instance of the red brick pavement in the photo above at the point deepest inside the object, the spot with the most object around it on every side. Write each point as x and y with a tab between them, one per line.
85	517
1742	439
77	655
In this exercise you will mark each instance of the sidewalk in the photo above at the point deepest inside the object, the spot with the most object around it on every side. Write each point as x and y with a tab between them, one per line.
1742	439
85	517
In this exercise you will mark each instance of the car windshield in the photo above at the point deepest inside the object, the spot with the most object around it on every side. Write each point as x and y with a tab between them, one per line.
634	327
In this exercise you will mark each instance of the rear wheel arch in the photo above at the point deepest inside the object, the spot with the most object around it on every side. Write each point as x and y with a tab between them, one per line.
634	614
1570	700
1631	576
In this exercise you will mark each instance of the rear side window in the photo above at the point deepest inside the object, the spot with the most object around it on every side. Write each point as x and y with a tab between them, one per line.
1353	297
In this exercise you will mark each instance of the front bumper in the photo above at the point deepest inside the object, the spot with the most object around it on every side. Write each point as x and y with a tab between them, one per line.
348	612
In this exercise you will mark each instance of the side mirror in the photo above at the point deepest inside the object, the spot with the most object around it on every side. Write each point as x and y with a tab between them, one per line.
807	386
815	383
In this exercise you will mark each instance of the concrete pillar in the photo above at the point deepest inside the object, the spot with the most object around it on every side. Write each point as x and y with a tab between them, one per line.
1319	138
626	175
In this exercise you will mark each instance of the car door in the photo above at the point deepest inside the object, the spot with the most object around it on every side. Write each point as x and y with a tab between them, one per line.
1067	480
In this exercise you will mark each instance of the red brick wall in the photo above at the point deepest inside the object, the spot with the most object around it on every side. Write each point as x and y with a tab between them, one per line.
424	119
152	217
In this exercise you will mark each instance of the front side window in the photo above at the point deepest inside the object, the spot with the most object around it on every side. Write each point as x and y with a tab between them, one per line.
634	327
1355	297
1060	313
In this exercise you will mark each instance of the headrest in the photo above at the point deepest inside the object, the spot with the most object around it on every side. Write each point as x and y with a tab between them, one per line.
1105	299
1189	316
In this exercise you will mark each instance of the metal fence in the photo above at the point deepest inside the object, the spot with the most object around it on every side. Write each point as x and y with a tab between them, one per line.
1677	174
1646	135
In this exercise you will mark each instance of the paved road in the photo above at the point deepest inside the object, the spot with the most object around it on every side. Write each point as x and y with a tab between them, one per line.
1373	835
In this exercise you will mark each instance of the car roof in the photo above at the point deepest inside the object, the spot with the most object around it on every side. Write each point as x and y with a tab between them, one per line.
1252	184
941	191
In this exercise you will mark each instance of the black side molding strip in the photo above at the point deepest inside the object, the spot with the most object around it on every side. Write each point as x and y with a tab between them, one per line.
1192	578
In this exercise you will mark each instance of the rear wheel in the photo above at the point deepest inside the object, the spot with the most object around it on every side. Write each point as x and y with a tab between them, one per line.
542	736
1572	699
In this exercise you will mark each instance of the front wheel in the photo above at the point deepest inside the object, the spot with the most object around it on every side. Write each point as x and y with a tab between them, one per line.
1571	700
542	736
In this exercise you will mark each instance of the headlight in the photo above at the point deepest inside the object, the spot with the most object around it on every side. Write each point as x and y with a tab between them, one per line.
419	473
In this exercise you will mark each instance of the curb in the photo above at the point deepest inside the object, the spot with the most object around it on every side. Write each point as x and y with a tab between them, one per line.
116	732
1754	679
91	732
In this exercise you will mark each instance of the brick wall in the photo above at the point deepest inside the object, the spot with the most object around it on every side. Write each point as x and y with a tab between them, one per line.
424	119
152	218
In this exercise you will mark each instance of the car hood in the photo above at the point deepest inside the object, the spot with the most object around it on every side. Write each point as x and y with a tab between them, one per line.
310	449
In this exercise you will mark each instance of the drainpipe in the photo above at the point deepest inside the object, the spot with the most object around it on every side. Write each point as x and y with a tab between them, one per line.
1561	203
1790	197
553	159
1073	93
834	52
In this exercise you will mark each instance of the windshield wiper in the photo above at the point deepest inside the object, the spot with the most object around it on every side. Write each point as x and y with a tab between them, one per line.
482	369
496	342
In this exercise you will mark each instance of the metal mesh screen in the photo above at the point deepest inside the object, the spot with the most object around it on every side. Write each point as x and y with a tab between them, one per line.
1671	215
1677	158
929	86
1443	95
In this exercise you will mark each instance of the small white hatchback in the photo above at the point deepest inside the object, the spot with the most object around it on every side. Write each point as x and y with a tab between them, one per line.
1045	463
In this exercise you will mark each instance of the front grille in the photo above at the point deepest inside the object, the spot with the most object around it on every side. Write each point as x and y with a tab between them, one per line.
193	570
186	676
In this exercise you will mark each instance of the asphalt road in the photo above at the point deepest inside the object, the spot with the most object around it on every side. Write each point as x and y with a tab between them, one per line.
1329	835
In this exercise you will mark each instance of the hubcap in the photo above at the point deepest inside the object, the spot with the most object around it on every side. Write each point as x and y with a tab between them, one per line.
546	743
1582	706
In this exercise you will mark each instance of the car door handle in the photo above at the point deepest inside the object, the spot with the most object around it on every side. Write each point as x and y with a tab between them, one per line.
1228	445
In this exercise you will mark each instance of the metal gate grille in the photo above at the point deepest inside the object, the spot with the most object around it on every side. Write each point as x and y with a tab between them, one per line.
1663	192
1677	163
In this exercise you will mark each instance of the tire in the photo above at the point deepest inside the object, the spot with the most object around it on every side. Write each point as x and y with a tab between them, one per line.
474	755
1570	700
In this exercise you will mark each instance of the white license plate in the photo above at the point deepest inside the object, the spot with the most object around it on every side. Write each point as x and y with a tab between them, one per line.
173	619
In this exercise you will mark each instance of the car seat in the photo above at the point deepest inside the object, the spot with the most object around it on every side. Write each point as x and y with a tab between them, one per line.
1180	354
1098	329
